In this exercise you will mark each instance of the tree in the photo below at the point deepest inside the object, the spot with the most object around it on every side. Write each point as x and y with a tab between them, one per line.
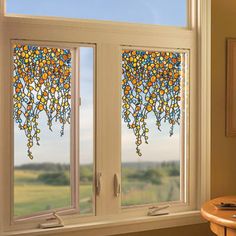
58	178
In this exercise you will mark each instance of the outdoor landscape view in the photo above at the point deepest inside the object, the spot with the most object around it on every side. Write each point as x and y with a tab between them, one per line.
40	187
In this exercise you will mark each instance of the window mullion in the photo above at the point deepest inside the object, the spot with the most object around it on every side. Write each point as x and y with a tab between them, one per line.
75	129
108	126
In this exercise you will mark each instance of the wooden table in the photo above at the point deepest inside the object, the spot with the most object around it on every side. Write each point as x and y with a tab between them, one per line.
221	221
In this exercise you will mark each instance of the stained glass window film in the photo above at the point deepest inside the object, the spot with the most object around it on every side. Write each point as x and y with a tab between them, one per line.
169	12
41	83
152	98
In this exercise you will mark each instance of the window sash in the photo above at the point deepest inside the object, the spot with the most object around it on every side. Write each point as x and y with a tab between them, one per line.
74	157
74	132
184	127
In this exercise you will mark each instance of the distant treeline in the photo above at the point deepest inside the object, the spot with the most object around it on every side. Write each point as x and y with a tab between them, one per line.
47	166
152	172
58	174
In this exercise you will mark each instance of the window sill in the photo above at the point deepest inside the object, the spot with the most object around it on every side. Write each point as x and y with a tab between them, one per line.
120	226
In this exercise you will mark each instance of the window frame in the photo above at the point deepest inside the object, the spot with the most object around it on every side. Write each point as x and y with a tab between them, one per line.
73	136
184	129
197	35
74	132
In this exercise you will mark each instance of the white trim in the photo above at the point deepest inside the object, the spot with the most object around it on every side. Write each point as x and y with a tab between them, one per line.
92	24
119	226
204	66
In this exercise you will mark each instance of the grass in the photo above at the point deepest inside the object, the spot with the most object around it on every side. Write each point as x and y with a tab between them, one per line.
139	186
31	196
136	193
35	198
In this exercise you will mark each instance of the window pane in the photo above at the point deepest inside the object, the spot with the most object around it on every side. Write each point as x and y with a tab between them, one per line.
86	129
152	102
169	12
42	115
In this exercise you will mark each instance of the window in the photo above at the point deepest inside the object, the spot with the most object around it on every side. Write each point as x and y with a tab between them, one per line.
100	120
42	113
153	126
46	83
169	12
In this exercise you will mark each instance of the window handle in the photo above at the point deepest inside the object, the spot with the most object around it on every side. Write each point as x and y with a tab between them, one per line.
98	183
59	222
157	210
116	186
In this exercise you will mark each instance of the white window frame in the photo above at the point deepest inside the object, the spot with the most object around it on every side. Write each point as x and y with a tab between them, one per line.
108	38
184	200
74	132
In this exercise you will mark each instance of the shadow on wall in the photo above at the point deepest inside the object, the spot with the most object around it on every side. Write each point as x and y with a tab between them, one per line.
193	230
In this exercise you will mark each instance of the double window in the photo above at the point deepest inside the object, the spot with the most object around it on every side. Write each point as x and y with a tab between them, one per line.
102	115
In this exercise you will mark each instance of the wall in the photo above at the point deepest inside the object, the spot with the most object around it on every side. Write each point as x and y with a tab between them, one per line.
1	147
223	148
193	230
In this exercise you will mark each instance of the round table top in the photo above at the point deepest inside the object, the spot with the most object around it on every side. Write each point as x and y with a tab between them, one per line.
220	217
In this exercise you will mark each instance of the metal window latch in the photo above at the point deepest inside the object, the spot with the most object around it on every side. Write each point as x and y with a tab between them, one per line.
157	210
59	222
116	186
98	183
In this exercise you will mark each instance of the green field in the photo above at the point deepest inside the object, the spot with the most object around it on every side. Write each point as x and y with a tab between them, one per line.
146	182
136	193
31	195
35	191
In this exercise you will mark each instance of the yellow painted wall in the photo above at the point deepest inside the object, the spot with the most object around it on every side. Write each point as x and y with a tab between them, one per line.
223	148
192	230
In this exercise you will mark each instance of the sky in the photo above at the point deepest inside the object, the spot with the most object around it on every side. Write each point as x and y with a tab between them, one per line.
55	148
164	12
